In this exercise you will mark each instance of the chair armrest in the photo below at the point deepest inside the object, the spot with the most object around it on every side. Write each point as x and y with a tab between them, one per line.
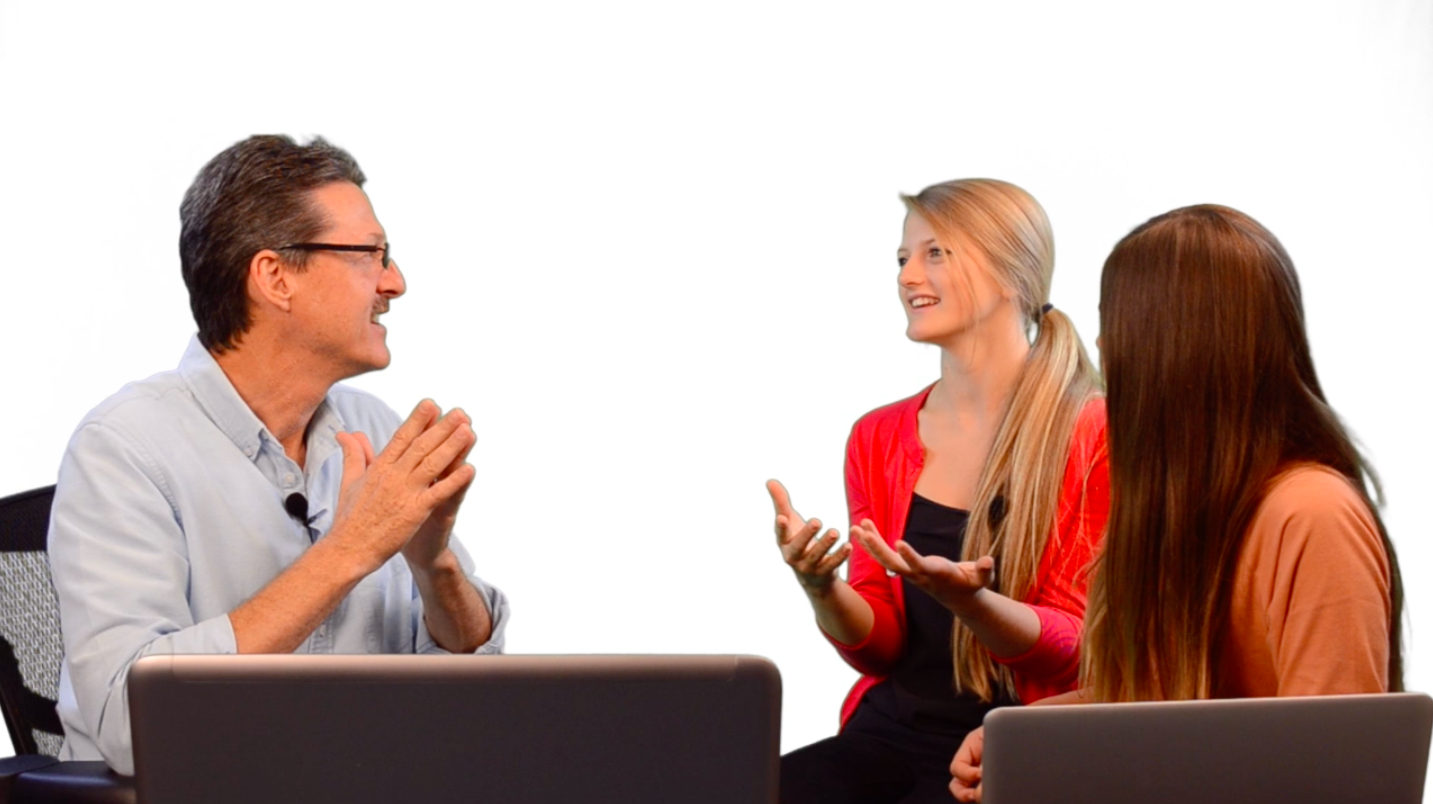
71	783
12	767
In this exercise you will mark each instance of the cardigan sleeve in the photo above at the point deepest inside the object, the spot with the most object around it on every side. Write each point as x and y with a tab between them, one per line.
879	651
1321	570
1052	664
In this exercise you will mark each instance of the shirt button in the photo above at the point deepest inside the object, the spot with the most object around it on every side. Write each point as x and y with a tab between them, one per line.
289	479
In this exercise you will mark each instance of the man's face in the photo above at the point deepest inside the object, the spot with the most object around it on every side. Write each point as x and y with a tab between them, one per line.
341	294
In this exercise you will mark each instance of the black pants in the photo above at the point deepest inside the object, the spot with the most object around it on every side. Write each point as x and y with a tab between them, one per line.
874	760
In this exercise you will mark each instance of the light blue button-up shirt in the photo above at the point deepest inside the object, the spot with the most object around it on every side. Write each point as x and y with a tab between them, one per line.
169	513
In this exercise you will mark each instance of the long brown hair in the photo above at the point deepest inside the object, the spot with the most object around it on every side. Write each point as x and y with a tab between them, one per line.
1026	466
1211	393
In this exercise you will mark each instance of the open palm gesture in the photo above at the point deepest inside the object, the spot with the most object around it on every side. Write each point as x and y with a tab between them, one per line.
811	558
953	583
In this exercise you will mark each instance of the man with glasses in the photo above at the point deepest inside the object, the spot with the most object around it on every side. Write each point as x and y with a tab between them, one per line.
246	502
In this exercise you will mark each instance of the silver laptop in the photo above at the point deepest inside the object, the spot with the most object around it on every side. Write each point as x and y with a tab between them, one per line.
1341	749
474	729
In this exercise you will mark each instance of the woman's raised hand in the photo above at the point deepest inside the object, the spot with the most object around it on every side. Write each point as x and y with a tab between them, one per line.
953	583
812	559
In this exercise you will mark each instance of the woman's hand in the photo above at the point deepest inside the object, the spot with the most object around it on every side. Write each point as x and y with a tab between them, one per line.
953	583
810	558
965	768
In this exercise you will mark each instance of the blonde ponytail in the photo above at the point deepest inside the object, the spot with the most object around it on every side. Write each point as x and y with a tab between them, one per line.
1017	499
1025	472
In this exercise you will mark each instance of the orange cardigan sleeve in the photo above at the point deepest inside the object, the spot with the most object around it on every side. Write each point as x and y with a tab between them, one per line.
1311	610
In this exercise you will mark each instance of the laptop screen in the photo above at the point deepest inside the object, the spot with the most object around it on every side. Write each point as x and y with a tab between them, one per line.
1319	750
633	729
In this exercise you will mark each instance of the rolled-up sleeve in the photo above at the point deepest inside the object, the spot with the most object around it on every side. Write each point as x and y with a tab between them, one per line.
121	570
496	601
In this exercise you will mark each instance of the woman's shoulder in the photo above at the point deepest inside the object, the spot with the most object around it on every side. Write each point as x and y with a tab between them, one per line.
1310	489
1088	440
1311	506
1093	419
893	414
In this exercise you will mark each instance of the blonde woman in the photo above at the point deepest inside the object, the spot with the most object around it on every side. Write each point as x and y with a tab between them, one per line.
1244	557
976	504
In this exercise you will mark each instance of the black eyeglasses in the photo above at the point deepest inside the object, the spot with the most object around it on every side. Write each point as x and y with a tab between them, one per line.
385	249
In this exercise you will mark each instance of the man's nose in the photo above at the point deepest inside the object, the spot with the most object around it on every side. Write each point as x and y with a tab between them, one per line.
390	282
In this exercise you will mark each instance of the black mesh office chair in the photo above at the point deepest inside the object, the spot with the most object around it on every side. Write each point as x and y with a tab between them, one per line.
30	654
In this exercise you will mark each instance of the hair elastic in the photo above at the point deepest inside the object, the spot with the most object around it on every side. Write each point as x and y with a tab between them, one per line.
1047	307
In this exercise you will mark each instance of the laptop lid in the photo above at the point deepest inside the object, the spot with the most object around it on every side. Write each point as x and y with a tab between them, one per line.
561	729
1331	749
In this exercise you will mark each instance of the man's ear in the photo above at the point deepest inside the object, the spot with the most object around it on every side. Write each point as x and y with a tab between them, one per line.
270	280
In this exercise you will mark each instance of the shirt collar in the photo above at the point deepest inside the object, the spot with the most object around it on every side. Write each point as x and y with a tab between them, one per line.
229	412
326	424
223	405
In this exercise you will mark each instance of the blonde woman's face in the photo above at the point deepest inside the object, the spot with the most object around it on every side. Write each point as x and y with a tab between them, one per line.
945	294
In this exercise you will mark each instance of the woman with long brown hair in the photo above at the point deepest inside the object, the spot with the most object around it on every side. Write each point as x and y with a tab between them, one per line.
1244	556
998	465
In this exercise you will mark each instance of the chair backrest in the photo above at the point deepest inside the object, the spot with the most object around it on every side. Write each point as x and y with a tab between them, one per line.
30	646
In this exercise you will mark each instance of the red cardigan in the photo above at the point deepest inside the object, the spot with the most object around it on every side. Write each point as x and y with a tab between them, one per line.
884	457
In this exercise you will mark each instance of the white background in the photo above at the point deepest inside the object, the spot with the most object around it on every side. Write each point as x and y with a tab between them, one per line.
650	247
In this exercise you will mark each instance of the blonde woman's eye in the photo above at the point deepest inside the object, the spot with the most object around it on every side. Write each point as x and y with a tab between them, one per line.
901	261
936	253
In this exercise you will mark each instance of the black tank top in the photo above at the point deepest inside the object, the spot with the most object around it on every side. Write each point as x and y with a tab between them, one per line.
920	692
